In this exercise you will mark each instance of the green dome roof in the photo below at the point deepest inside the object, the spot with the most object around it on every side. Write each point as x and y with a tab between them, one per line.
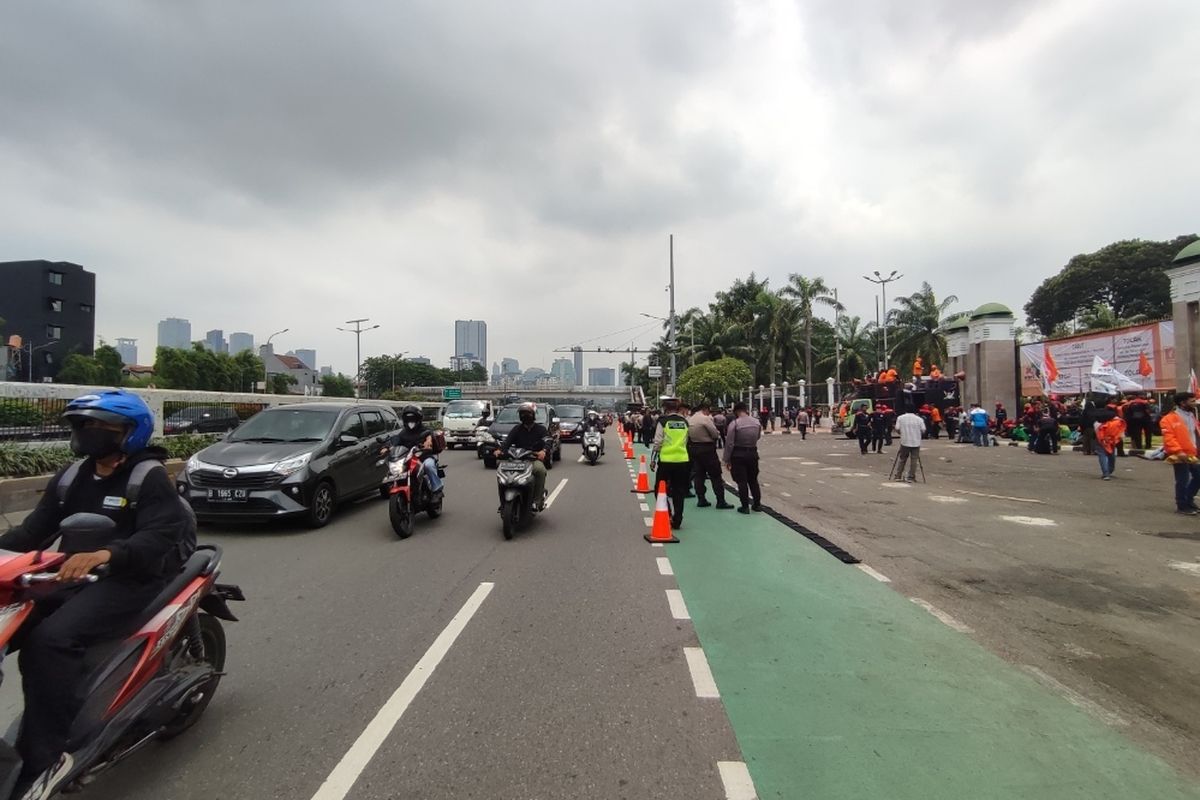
992	310
959	322
1187	255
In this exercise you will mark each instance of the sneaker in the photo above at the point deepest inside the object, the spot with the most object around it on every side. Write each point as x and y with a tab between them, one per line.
1106	478
1188	512
756	507
703	504
745	510
724	506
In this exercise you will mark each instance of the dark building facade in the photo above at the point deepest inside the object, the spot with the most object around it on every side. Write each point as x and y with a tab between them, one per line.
50	303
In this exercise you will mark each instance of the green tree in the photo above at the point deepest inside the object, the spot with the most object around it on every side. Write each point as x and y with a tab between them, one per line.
108	363
80	370
711	380
917	322
280	383
857	345
1126	277
808	292
337	386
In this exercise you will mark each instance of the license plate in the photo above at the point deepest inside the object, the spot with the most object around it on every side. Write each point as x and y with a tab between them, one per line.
228	495
513	466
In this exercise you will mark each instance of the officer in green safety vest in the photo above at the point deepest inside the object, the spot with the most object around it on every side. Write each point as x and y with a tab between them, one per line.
669	456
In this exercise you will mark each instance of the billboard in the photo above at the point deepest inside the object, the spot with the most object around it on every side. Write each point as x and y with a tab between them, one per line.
1132	350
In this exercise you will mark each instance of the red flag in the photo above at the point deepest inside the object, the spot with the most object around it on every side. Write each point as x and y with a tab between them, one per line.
1051	367
1144	368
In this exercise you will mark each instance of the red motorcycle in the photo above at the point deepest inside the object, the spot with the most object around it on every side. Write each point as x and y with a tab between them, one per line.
407	487
153	684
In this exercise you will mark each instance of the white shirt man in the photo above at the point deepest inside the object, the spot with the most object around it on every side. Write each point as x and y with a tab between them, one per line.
911	428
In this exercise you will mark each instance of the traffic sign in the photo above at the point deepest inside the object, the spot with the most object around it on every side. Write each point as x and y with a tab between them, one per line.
452	393
653	372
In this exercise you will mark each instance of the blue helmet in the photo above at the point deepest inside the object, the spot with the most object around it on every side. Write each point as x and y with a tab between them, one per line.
116	407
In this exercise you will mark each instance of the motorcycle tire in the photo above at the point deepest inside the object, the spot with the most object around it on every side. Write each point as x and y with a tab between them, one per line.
212	634
434	507
510	517
558	453
592	460
490	462
401	516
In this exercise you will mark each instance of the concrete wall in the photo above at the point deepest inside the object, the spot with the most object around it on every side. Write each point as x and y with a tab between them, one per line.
1185	307
991	363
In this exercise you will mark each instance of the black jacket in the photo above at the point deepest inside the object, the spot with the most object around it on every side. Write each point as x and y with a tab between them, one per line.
531	438
413	438
146	542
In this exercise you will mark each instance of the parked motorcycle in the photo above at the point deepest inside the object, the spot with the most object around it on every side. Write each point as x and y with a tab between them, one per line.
593	446
514	478
153	684
408	489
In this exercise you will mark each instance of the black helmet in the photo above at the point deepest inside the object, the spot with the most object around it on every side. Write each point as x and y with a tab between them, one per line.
527	412
411	414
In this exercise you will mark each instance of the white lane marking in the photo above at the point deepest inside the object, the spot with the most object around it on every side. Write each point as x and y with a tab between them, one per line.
941	498
1075	698
1002	497
343	777
649	521
678	607
1040	522
785	494
702	677
945	618
736	778
896	485
643	507
1185	566
791	458
831	469
557	489
656	544
1079	652
853	475
664	566
809	463
879	576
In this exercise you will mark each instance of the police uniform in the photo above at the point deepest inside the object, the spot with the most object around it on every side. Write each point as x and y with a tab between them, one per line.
702	448
673	463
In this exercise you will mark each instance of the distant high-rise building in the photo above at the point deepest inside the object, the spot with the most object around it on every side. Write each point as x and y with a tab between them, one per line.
51	306
510	366
418	360
326	372
461	363
309	357
577	353
175	332
602	376
532	375
564	370
470	339
215	340
128	350
240	342
495	370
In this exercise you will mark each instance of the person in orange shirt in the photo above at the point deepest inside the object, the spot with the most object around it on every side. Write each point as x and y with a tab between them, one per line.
935	418
1108	436
918	368
1180	432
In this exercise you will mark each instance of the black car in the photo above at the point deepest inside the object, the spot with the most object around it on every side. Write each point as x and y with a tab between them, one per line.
201	419
507	419
300	459
570	422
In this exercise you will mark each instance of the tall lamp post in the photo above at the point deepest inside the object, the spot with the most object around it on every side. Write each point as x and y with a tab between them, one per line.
882	282
358	330
266	369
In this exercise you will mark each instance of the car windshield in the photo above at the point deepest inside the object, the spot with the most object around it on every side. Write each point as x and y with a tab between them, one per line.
459	409
286	425
509	414
571	412
194	413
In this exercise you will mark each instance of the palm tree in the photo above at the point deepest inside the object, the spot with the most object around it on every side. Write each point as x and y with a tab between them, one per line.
917	321
858	347
807	292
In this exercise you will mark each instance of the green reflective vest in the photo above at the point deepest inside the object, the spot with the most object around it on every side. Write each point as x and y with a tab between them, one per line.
674	444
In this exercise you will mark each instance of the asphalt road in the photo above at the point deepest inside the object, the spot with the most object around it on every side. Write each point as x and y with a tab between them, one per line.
1091	587
569	681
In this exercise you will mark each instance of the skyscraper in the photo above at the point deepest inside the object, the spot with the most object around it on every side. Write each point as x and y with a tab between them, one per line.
215	340
577	353
470	339
239	342
128	350
564	370
309	357
510	366
175	332
602	376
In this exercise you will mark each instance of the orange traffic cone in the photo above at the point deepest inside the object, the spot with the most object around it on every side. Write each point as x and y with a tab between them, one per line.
628	451
643	479
661	530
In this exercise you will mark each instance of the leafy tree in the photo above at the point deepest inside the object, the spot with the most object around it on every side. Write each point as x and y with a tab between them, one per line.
200	368
108	364
1126	277
917	322
724	377
79	369
807	293
857	345
1103	318
280	383
337	386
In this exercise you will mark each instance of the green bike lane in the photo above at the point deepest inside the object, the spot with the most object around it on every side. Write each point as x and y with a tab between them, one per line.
839	687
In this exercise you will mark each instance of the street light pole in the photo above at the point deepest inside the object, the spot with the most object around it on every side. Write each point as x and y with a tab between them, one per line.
837	342
266	370
882	282
358	330
674	373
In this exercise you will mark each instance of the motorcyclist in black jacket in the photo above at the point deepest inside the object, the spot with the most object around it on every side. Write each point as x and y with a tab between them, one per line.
530	435
413	433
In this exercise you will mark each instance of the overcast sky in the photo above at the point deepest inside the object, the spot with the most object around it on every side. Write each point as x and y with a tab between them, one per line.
254	166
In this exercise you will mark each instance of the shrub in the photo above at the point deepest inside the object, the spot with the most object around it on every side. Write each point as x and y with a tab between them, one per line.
23	460
20	412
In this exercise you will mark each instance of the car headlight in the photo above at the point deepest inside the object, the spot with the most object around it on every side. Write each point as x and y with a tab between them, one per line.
290	465
194	463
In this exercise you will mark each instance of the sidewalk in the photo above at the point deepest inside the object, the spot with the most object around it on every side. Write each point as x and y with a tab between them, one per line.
837	686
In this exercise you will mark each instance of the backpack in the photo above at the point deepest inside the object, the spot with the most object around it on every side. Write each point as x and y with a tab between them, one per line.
438	440
133	487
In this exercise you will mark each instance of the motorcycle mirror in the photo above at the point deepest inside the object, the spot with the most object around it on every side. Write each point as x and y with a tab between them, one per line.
87	523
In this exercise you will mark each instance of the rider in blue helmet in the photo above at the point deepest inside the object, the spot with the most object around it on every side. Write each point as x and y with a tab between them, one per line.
147	546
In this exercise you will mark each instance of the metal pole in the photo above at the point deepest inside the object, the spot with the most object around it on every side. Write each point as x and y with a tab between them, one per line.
886	354
878	358
837	342
674	373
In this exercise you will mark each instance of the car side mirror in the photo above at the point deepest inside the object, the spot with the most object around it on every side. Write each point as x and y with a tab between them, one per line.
347	440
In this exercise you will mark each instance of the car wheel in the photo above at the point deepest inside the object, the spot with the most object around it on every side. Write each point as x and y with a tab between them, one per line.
320	511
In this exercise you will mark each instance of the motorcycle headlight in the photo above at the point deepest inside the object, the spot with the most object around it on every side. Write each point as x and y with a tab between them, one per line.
487	437
291	465
396	467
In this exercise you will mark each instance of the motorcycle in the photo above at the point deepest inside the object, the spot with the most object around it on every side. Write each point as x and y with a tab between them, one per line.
408	489
153	684
593	446
514	478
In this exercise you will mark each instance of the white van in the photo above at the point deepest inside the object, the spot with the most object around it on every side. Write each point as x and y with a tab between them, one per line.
460	418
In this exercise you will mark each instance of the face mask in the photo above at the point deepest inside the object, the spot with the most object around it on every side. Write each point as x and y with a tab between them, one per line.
526	420
96	442
412	424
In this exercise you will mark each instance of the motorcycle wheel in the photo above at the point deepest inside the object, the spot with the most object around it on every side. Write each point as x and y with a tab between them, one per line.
212	634
401	516
510	516
592	460
434	507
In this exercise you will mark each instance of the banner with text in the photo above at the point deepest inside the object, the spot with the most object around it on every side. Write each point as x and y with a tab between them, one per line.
1146	353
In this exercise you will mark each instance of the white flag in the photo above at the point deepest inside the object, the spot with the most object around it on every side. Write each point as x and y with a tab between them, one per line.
1105	374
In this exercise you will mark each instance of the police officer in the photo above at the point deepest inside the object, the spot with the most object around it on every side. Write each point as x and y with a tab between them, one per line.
702	448
145	549
669	456
741	457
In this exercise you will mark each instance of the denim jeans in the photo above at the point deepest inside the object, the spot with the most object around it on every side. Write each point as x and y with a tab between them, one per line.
1187	483
1108	462
979	436
430	464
